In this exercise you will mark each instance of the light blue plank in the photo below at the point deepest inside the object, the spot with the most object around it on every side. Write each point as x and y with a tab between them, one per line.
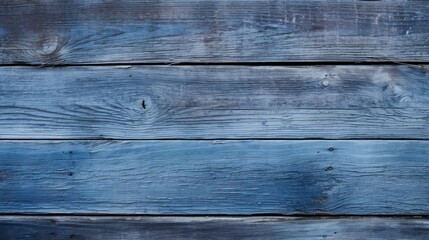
93	31
211	102
214	177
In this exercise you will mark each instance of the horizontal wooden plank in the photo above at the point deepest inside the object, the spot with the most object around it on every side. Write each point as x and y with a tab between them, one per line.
93	31
214	177
272	228
212	102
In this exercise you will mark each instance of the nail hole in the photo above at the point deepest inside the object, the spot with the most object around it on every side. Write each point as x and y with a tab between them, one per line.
329	168
331	149
70	174
144	104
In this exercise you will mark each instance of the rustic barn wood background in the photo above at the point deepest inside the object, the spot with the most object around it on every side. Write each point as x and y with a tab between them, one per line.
214	119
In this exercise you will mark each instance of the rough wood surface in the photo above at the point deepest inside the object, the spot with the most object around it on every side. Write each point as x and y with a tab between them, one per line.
196	102
133	228
214	177
93	31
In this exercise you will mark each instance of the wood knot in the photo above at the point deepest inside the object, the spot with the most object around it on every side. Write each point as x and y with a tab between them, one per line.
406	100
49	46
48	49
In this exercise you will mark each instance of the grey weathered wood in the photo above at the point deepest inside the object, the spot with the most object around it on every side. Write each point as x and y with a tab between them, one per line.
214	177
130	228
92	31
196	102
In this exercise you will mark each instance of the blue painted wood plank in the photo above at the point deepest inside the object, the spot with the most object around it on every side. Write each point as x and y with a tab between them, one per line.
93	31
212	102
214	177
261	228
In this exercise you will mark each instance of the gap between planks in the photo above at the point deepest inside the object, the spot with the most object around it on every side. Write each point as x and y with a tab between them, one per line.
261	64
212	139
232	216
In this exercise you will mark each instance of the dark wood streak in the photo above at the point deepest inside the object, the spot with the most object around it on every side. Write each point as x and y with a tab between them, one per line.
91	31
196	102
214	177
133	228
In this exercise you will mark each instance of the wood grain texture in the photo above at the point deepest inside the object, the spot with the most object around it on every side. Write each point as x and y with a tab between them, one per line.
212	102
94	31
214	177
133	228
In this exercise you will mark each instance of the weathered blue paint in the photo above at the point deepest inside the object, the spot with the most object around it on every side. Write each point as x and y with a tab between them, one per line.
214	177
255	228
136	103
195	102
93	31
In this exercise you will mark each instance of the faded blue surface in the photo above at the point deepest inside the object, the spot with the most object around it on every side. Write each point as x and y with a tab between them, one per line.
212	228
205	177
218	31
212	102
141	139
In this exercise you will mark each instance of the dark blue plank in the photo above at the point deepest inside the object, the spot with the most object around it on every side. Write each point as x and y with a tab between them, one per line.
214	177
93	31
255	228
